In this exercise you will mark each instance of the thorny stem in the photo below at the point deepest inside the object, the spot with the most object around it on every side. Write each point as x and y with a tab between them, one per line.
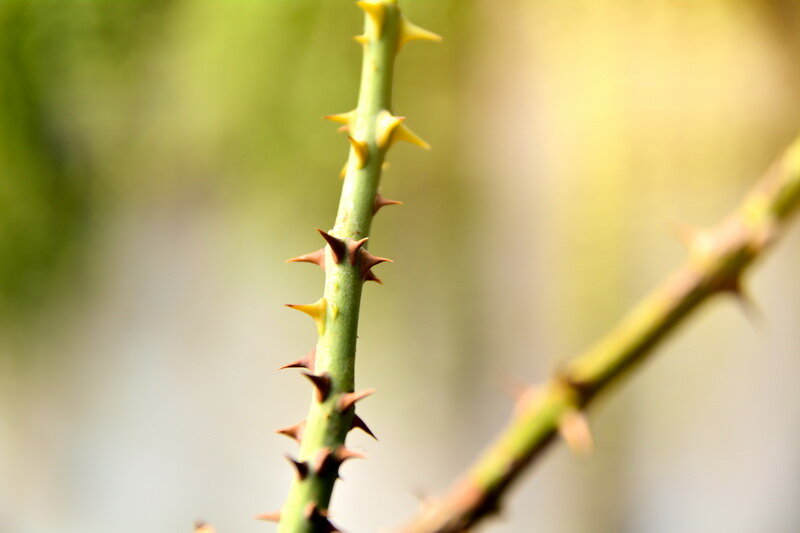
717	260
371	129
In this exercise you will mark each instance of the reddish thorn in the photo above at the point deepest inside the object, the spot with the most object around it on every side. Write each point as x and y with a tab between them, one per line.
369	276
294	432
300	466
269	517
349	399
359	423
306	361
338	246
380	201
317	258
322	383
354	247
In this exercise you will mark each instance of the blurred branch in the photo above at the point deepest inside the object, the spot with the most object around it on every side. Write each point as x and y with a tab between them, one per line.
717	260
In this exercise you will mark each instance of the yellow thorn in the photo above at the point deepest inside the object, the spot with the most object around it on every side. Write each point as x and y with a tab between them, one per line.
343	172
360	39
411	32
385	165
404	133
341	118
376	12
317	311
574	429
386	125
360	149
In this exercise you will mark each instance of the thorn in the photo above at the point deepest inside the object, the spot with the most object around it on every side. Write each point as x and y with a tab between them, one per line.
404	133
380	201
322	461
343	454
385	165
202	527
368	261
410	32
685	233
317	257
574	429
307	361
300	466
750	308
360	150
370	276
318	519
342	129
342	118
386	125
338	246
294	432
316	311
353	248
375	12
350	398
269	517
359	423
343	172
362	39
322	384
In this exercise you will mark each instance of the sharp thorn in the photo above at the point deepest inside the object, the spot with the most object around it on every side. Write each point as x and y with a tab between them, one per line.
318	519
410	32
307	361
380	201
317	257
322	384
300	467
202	527
341	118
385	127
404	133
269	517
353	248
338	246
317	311
359	423
370	276
350	398
361	39
294	432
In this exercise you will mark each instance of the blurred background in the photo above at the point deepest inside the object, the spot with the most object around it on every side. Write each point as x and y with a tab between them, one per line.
160	160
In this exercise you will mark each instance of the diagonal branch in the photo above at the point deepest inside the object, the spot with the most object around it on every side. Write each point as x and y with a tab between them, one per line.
717	260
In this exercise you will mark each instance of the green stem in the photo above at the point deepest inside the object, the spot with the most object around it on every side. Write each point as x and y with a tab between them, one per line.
717	261
372	130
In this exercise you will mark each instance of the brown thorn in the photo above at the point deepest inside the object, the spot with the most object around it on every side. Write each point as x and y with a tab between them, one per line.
300	466
353	248
322	461
322	383
294	432
359	423
369	276
380	201
307	361
338	246
316	257
318	519
349	399
202	527
269	517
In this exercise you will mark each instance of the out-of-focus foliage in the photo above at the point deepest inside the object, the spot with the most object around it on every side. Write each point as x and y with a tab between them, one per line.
159	159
